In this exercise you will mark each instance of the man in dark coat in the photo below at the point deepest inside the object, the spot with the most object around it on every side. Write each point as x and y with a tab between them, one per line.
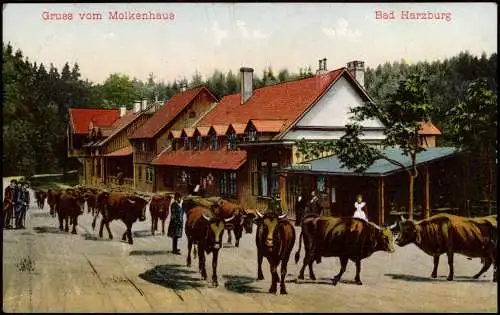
275	203
300	205
9	200
176	224
22	203
314	205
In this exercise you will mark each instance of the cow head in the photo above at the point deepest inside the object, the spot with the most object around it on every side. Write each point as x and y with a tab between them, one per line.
408	232
269	221
215	228
138	204
247	220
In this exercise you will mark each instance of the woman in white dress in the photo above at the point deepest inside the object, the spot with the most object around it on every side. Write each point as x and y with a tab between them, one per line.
360	206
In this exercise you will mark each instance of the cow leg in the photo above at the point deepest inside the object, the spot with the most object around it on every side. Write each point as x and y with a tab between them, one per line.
94	221
357	279
343	266
201	262
450	264
75	222
307	261
190	245
66	220
274	274
260	275
229	239
215	255
486	266
109	230
238	232
284	265
163	226
435	270
61	222
129	233
101	226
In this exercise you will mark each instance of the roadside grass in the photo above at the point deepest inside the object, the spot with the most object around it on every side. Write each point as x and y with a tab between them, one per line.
53	181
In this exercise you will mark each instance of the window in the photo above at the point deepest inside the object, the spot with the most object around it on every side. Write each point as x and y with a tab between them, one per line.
321	184
187	143
266	179
143	146
213	143
192	114
150	174
231	145
199	143
251	135
174	144
139	172
228	184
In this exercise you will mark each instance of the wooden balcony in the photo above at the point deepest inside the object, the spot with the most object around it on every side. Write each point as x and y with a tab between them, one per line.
76	153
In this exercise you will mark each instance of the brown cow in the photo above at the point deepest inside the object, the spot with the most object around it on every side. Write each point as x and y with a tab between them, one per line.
40	196
91	198
204	230
242	220
446	233
114	206
68	209
347	238
52	199
159	209
275	238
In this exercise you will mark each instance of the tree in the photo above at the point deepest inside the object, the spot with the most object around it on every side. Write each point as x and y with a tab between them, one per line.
232	83
118	90
401	115
196	80
283	75
473	125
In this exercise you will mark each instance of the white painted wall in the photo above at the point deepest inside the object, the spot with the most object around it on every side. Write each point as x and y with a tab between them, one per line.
332	110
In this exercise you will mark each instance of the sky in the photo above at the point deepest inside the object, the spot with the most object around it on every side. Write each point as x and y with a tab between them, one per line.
204	36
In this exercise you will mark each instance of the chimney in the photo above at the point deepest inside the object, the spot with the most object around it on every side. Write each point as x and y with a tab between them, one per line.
123	111
246	83
357	70
183	87
322	67
144	104
137	107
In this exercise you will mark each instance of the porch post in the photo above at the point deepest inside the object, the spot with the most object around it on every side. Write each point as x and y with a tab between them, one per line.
427	193
381	203
282	191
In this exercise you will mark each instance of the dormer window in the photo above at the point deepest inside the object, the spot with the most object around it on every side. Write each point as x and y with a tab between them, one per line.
174	144
187	143
199	143
231	144
213	143
251	135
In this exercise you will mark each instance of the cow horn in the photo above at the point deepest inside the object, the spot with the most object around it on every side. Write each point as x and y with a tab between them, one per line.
130	200
283	215
259	214
392	226
205	217
229	220
402	218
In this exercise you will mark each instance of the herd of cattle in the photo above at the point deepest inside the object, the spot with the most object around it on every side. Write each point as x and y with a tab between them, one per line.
347	238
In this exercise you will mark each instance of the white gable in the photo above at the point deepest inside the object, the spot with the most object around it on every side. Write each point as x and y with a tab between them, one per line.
332	111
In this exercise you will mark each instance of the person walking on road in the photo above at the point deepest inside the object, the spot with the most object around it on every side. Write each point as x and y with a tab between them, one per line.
300	208
22	204
274	205
9	200
176	224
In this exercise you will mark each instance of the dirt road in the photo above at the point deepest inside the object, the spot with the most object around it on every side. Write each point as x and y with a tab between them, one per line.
45	270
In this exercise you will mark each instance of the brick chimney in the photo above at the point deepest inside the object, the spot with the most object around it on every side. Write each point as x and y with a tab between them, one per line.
357	70
322	67
144	104
123	111
246	83
183	87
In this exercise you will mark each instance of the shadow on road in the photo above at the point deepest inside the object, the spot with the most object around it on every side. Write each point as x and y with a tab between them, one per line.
149	252
240	284
413	278
92	237
174	277
41	215
48	229
142	233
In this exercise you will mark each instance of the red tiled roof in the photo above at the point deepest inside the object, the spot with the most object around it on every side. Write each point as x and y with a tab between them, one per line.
220	130
174	134
202	130
268	125
119	124
428	128
121	152
80	118
166	113
188	132
238	128
285	101
219	159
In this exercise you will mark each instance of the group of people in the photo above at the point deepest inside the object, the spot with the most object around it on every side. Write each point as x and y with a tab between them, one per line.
305	207
15	204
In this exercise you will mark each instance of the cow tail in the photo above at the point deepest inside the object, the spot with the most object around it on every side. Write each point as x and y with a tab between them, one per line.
297	254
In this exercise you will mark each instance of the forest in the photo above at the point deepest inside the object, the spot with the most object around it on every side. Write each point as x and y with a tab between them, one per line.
37	96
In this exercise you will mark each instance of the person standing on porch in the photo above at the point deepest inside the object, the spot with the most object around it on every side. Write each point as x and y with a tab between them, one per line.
314	205
176	224
360	208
